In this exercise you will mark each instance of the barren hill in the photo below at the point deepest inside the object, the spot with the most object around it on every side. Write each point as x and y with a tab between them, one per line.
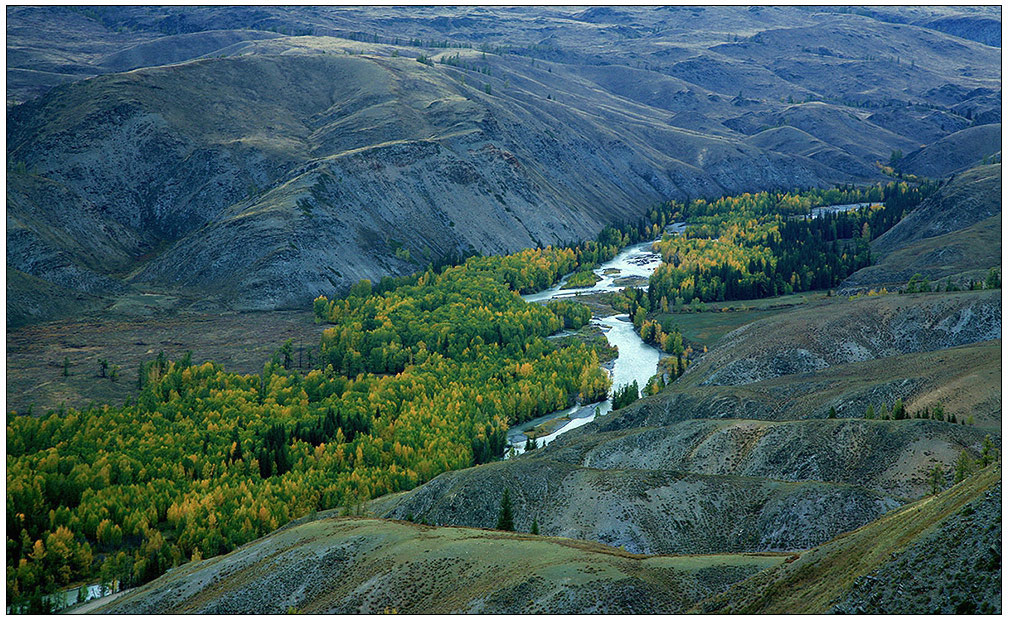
256	157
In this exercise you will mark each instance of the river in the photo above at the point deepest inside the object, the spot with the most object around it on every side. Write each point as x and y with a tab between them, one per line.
70	597
636	360
816	212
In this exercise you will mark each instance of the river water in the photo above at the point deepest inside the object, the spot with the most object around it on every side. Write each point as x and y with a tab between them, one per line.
70	597
816	212
636	360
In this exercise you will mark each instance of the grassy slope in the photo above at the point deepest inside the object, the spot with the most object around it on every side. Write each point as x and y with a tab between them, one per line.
707	327
820	576
356	565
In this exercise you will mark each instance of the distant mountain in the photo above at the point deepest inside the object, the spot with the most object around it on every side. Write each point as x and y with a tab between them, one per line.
256	157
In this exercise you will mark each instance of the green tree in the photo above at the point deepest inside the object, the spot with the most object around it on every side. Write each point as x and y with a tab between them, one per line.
625	395
66	366
832	414
994	280
936	478
103	367
964	467
505	522
284	353
917	284
535	530
987	451
895	157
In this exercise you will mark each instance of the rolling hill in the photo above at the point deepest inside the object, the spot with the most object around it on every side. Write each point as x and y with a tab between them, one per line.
257	157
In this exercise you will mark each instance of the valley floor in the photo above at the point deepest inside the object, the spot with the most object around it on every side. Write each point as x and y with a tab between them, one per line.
241	342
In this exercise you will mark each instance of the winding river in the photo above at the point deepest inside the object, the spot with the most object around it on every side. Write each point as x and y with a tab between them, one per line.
636	360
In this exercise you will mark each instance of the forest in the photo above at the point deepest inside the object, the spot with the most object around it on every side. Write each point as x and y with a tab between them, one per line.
768	244
418	376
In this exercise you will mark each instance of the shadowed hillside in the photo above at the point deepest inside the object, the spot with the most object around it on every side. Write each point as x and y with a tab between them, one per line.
945	549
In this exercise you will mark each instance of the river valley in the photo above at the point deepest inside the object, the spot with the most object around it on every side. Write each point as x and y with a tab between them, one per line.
636	360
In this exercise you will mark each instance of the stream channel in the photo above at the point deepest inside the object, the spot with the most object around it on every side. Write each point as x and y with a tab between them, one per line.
636	360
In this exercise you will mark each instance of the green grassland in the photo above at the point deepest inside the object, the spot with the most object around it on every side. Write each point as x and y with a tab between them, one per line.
707	326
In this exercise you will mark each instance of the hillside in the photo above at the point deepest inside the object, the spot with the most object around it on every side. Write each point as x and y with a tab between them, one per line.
810	339
946	550
359	565
649	511
957	234
964	379
258	157
955	152
299	191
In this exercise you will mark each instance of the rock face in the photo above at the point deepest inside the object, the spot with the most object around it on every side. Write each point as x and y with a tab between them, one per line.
257	157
